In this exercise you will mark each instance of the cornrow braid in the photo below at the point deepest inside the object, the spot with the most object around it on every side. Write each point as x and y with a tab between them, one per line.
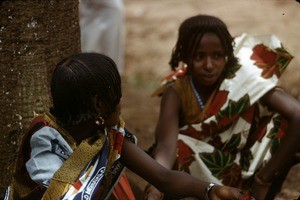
190	34
77	80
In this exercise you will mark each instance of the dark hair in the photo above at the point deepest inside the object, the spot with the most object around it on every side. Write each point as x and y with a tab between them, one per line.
77	80
190	34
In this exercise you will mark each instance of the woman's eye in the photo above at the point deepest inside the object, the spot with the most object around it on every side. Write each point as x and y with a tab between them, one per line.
199	56
218	55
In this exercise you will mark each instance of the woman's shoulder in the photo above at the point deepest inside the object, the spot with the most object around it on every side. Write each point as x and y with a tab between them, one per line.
181	82
181	86
45	133
131	137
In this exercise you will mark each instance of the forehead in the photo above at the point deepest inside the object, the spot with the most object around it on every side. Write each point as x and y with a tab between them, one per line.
210	41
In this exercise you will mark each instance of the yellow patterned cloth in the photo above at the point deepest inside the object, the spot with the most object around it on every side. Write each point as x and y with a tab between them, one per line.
90	172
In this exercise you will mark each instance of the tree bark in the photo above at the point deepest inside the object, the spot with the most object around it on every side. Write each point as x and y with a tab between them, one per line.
34	36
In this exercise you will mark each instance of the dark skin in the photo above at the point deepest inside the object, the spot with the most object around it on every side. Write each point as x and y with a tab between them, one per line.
205	70
275	99
90	126
85	127
175	183
170	182
289	108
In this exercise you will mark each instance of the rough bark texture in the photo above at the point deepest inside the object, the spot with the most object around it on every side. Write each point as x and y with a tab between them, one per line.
34	36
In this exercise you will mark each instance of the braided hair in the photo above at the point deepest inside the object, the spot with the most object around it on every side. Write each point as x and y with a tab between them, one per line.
77	80
190	34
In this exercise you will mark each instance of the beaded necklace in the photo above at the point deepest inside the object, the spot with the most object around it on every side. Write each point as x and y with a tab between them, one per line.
200	102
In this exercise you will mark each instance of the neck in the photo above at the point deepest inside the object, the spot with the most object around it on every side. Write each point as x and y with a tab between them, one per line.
82	130
204	90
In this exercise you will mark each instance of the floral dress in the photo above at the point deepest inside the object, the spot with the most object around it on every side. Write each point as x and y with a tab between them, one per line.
228	140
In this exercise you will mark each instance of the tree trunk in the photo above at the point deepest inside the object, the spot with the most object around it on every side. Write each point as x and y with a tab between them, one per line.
34	36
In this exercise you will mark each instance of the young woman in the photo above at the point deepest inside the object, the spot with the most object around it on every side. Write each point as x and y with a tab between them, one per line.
80	148
222	118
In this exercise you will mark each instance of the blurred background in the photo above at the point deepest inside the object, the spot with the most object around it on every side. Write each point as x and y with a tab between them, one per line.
34	39
151	33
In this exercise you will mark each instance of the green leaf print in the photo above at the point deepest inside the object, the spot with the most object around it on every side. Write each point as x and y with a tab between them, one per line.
275	145
284	59
233	142
231	71
277	122
217	162
246	158
234	107
273	132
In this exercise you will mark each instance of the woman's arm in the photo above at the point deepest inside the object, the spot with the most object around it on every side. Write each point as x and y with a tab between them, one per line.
286	105
279	101
166	134
174	183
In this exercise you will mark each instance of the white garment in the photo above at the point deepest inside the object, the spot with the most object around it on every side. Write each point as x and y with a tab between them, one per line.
102	28
49	151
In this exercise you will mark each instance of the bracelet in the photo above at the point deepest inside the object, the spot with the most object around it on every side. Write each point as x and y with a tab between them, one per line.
208	189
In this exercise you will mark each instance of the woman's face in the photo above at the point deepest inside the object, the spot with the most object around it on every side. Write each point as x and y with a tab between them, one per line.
209	61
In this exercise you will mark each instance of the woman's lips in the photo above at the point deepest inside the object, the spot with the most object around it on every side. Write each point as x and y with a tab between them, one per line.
207	76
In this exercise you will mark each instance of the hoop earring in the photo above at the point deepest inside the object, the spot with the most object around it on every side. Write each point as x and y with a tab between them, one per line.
99	121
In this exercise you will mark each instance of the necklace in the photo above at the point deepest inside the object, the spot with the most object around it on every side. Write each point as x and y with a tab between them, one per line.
200	102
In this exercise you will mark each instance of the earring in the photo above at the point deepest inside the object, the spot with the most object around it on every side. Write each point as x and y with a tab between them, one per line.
226	58
99	121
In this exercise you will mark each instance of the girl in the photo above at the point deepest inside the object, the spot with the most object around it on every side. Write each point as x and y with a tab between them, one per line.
222	117
80	148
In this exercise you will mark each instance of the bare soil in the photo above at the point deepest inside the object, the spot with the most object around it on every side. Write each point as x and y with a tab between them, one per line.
151	31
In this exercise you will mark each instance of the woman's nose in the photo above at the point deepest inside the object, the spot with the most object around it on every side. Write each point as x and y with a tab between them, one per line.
209	63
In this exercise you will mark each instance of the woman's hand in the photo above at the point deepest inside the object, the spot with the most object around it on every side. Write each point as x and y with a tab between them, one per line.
223	192
217	193
151	193
260	188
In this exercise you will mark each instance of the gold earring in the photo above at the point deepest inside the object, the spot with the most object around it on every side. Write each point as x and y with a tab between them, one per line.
99	121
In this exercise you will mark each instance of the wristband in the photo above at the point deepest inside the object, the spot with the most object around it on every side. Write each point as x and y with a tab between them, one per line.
208	189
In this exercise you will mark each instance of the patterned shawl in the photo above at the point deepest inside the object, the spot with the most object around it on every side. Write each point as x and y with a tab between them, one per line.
90	172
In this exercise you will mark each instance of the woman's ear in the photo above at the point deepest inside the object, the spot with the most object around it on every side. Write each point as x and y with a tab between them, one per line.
189	66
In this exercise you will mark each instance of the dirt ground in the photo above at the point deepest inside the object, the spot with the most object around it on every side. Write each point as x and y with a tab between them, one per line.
151	31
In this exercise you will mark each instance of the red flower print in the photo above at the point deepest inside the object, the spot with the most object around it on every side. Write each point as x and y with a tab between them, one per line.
210	129
249	114
185	156
217	103
246	195
261	133
216	142
282	130
266	59
232	175
192	132
225	121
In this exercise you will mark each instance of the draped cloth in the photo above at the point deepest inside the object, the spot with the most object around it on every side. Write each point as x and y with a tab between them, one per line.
234	134
90	172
